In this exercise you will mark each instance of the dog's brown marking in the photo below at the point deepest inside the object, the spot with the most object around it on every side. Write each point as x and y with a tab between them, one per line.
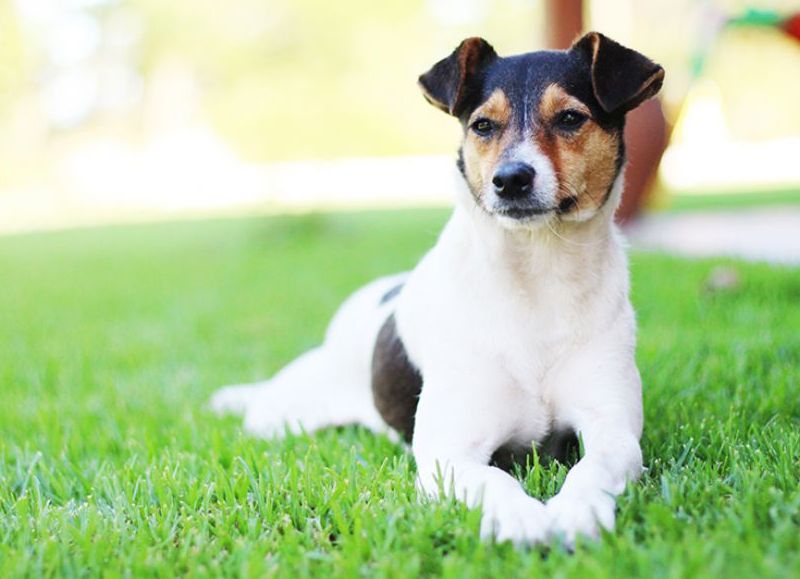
585	161
469	62
589	166
555	99
481	154
396	382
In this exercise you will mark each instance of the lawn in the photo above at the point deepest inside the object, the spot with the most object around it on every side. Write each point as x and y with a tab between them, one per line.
112	340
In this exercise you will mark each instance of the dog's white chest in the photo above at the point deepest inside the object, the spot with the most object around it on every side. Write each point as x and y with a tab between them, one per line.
500	350
532	347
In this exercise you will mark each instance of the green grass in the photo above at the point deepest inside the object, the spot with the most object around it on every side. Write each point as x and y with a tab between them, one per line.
111	341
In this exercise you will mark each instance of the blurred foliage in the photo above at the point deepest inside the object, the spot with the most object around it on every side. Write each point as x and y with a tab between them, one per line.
289	78
765	105
14	61
311	78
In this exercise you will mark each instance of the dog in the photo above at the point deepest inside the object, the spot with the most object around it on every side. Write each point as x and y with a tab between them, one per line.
515	329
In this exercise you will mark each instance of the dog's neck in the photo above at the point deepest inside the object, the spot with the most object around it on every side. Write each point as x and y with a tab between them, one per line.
527	255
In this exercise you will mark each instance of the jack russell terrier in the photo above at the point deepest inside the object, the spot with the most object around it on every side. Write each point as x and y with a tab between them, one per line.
516	328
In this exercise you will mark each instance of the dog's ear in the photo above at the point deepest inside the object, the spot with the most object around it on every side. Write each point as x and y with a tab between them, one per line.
621	78
453	82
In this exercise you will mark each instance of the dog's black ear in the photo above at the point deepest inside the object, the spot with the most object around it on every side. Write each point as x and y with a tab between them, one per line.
454	81
621	78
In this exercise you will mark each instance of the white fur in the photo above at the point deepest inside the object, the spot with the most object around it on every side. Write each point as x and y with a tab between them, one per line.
518	332
545	184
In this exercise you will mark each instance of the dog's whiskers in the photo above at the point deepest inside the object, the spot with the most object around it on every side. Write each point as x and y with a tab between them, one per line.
567	189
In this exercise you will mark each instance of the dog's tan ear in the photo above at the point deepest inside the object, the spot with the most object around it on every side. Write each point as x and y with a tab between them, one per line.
621	78
454	81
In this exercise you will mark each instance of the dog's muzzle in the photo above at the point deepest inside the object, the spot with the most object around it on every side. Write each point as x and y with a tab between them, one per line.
514	187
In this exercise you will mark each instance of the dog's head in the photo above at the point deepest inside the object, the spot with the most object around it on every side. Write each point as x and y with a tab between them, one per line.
543	131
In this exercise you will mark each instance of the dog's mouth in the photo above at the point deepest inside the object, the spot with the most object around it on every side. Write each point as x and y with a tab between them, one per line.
522	213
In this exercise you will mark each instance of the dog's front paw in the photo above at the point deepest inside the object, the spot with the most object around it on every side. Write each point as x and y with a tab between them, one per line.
571	516
524	521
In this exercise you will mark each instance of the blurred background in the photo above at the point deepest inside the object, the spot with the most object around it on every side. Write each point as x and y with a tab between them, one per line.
130	110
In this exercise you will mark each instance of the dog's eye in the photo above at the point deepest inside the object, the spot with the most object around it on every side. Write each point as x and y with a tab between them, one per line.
483	127
570	120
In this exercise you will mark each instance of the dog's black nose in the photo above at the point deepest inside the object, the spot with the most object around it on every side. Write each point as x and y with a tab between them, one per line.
513	180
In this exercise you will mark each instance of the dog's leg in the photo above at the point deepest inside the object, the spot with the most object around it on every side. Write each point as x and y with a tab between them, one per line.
456	431
603	405
239	398
327	386
586	501
312	392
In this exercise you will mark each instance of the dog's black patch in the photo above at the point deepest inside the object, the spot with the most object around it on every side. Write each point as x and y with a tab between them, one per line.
396	383
618	162
392	293
560	446
508	456
567	204
460	162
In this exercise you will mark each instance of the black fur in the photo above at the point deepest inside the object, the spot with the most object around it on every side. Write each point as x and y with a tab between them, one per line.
391	294
460	162
561	446
621	78
453	84
609	78
396	383
567	204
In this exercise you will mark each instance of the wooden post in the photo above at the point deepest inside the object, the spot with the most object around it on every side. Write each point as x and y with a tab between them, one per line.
564	22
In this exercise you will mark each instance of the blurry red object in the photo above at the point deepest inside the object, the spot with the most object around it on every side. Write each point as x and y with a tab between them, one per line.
792	26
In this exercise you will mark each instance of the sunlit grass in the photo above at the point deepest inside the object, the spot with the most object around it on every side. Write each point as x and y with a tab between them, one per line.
112	340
